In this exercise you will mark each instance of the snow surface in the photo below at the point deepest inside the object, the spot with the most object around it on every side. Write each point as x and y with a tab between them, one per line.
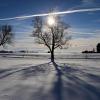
37	79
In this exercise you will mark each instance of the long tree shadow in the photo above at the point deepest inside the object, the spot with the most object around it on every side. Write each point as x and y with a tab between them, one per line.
6	72
57	91
74	87
10	71
38	70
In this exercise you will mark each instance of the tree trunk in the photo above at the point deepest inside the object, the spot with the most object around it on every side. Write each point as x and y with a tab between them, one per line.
52	56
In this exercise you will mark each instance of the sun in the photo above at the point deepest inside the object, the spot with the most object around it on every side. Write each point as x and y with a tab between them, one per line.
51	20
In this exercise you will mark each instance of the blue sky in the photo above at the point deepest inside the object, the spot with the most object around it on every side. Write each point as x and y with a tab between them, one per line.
85	26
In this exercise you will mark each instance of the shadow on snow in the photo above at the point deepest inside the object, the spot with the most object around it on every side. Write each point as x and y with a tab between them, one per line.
70	83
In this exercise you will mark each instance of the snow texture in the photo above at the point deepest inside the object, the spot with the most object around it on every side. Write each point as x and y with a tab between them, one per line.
30	79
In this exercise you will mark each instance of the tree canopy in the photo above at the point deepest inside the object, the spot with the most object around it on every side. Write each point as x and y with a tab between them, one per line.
52	32
6	35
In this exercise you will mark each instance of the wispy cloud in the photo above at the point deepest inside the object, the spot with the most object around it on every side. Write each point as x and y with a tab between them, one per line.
83	35
97	20
97	33
88	2
54	13
85	42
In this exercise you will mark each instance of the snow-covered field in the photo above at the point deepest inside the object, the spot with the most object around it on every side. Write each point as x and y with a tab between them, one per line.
57	55
37	79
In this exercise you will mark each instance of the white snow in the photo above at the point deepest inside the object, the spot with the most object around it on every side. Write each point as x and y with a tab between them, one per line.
37	79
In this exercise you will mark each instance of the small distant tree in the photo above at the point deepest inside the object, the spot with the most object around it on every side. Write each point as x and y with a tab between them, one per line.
6	35
51	32
98	47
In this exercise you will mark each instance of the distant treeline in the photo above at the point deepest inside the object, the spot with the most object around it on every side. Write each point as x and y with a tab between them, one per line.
21	51
93	51
4	51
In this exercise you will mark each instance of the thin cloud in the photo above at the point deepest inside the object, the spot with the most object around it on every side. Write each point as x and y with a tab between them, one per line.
54	13
97	20
88	1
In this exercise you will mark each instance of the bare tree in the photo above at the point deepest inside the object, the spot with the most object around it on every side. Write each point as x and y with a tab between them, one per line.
5	35
51	32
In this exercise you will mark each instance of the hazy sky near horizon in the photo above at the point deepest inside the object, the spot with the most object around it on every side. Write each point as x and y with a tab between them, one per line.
85	26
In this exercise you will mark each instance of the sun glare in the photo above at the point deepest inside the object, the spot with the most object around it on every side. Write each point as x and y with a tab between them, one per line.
51	20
